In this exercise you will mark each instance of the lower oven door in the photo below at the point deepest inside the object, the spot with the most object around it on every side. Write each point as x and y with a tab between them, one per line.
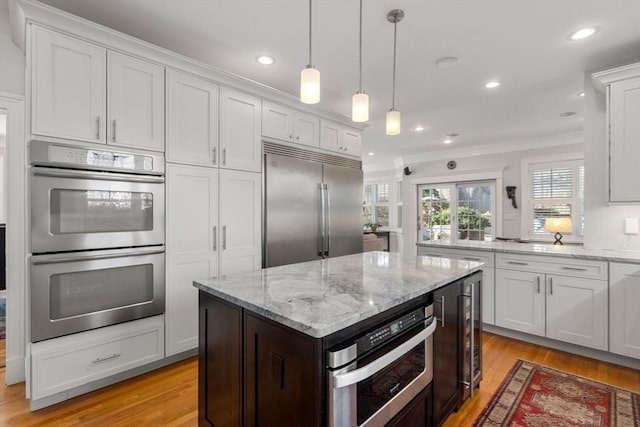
75	292
372	394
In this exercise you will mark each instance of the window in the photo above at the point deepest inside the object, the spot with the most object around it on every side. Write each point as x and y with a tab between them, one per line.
376	204
456	211
554	190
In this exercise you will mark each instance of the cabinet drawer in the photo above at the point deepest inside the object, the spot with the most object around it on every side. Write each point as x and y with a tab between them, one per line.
553	265
468	255
64	363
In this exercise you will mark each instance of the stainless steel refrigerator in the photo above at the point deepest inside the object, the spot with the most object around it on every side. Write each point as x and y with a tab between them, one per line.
312	206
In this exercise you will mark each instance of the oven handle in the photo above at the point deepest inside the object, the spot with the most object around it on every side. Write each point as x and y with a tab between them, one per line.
102	176
60	258
354	377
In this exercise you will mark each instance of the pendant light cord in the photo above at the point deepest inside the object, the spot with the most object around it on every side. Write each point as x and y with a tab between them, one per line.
360	49
310	33
393	92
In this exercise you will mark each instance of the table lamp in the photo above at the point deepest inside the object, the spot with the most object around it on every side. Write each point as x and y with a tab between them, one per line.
558	226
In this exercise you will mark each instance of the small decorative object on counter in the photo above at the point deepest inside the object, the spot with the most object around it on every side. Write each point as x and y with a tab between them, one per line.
558	226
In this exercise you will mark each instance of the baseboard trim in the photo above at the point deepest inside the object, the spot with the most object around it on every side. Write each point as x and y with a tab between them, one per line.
104	382
592	353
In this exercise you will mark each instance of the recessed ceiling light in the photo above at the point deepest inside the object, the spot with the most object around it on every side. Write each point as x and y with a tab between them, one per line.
492	85
418	128
583	33
567	114
371	153
449	138
265	60
580	94
447	61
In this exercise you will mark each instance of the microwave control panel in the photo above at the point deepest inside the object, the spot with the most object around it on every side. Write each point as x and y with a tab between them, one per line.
390	330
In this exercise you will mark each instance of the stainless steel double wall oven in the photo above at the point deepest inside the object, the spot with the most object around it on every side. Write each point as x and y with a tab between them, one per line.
97	238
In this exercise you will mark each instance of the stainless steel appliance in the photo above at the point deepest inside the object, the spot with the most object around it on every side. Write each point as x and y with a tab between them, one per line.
472	331
373	377
97	238
312	205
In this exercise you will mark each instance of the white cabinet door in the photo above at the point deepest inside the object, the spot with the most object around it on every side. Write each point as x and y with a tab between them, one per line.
240	130
277	121
577	310
520	301
240	219
192	120
624	110
68	87
306	129
136	103
352	142
330	136
624	288
191	247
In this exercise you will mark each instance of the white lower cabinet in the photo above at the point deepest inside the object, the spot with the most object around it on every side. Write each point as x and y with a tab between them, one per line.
488	273
572	309
60	364
624	290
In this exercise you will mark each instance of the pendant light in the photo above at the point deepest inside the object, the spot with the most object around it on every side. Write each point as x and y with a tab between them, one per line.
310	77
393	115
360	101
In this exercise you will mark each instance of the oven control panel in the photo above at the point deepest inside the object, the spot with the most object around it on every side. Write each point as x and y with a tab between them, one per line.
390	330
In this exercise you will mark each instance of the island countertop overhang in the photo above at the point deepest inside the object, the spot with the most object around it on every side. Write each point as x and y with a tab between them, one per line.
321	297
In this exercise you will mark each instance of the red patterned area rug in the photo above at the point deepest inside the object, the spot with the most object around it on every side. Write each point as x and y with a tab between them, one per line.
534	396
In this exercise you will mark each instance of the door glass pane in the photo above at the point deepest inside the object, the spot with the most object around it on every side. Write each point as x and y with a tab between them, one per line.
382	215
435	214
475	211
83	292
94	211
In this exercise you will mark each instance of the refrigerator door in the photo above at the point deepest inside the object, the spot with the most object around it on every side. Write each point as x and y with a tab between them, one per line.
344	204
292	211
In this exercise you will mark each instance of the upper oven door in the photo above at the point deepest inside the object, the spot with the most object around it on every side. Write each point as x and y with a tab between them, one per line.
73	210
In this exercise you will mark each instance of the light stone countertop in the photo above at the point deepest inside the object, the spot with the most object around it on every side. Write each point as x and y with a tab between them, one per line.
325	296
569	251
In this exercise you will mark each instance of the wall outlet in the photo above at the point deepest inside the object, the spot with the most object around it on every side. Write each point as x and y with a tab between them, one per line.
631	226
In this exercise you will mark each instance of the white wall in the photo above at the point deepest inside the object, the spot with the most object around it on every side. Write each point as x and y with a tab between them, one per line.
11	59
603	223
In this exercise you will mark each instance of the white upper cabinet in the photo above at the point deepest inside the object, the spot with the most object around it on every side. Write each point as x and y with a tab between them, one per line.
240	219
622	86
135	102
240	130
291	125
624	291
192	120
340	139
68	87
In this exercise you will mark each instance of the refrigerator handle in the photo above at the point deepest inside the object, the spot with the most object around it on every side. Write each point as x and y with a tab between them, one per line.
321	227
327	223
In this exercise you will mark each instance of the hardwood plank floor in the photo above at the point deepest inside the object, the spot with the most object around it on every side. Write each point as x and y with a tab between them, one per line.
169	396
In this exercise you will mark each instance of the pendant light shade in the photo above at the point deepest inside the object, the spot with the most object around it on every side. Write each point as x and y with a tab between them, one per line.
393	122
310	77
310	85
360	107
393	116
360	101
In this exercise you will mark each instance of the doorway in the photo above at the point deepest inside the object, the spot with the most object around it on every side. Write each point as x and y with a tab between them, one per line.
3	223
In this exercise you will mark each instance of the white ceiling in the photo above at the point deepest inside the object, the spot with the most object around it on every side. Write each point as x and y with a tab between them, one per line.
522	43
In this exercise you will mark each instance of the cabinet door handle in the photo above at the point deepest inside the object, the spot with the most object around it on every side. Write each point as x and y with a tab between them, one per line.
441	310
298	137
224	156
290	136
574	269
98	128
224	237
215	155
538	283
550	285
113	137
517	263
103	359
471	259
215	238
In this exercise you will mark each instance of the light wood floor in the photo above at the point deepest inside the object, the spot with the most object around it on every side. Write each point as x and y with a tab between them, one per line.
169	396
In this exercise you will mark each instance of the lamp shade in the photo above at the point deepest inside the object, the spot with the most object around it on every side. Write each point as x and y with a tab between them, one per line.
360	107
393	122
310	85
558	225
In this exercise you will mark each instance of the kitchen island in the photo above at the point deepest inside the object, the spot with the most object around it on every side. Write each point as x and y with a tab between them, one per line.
264	334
